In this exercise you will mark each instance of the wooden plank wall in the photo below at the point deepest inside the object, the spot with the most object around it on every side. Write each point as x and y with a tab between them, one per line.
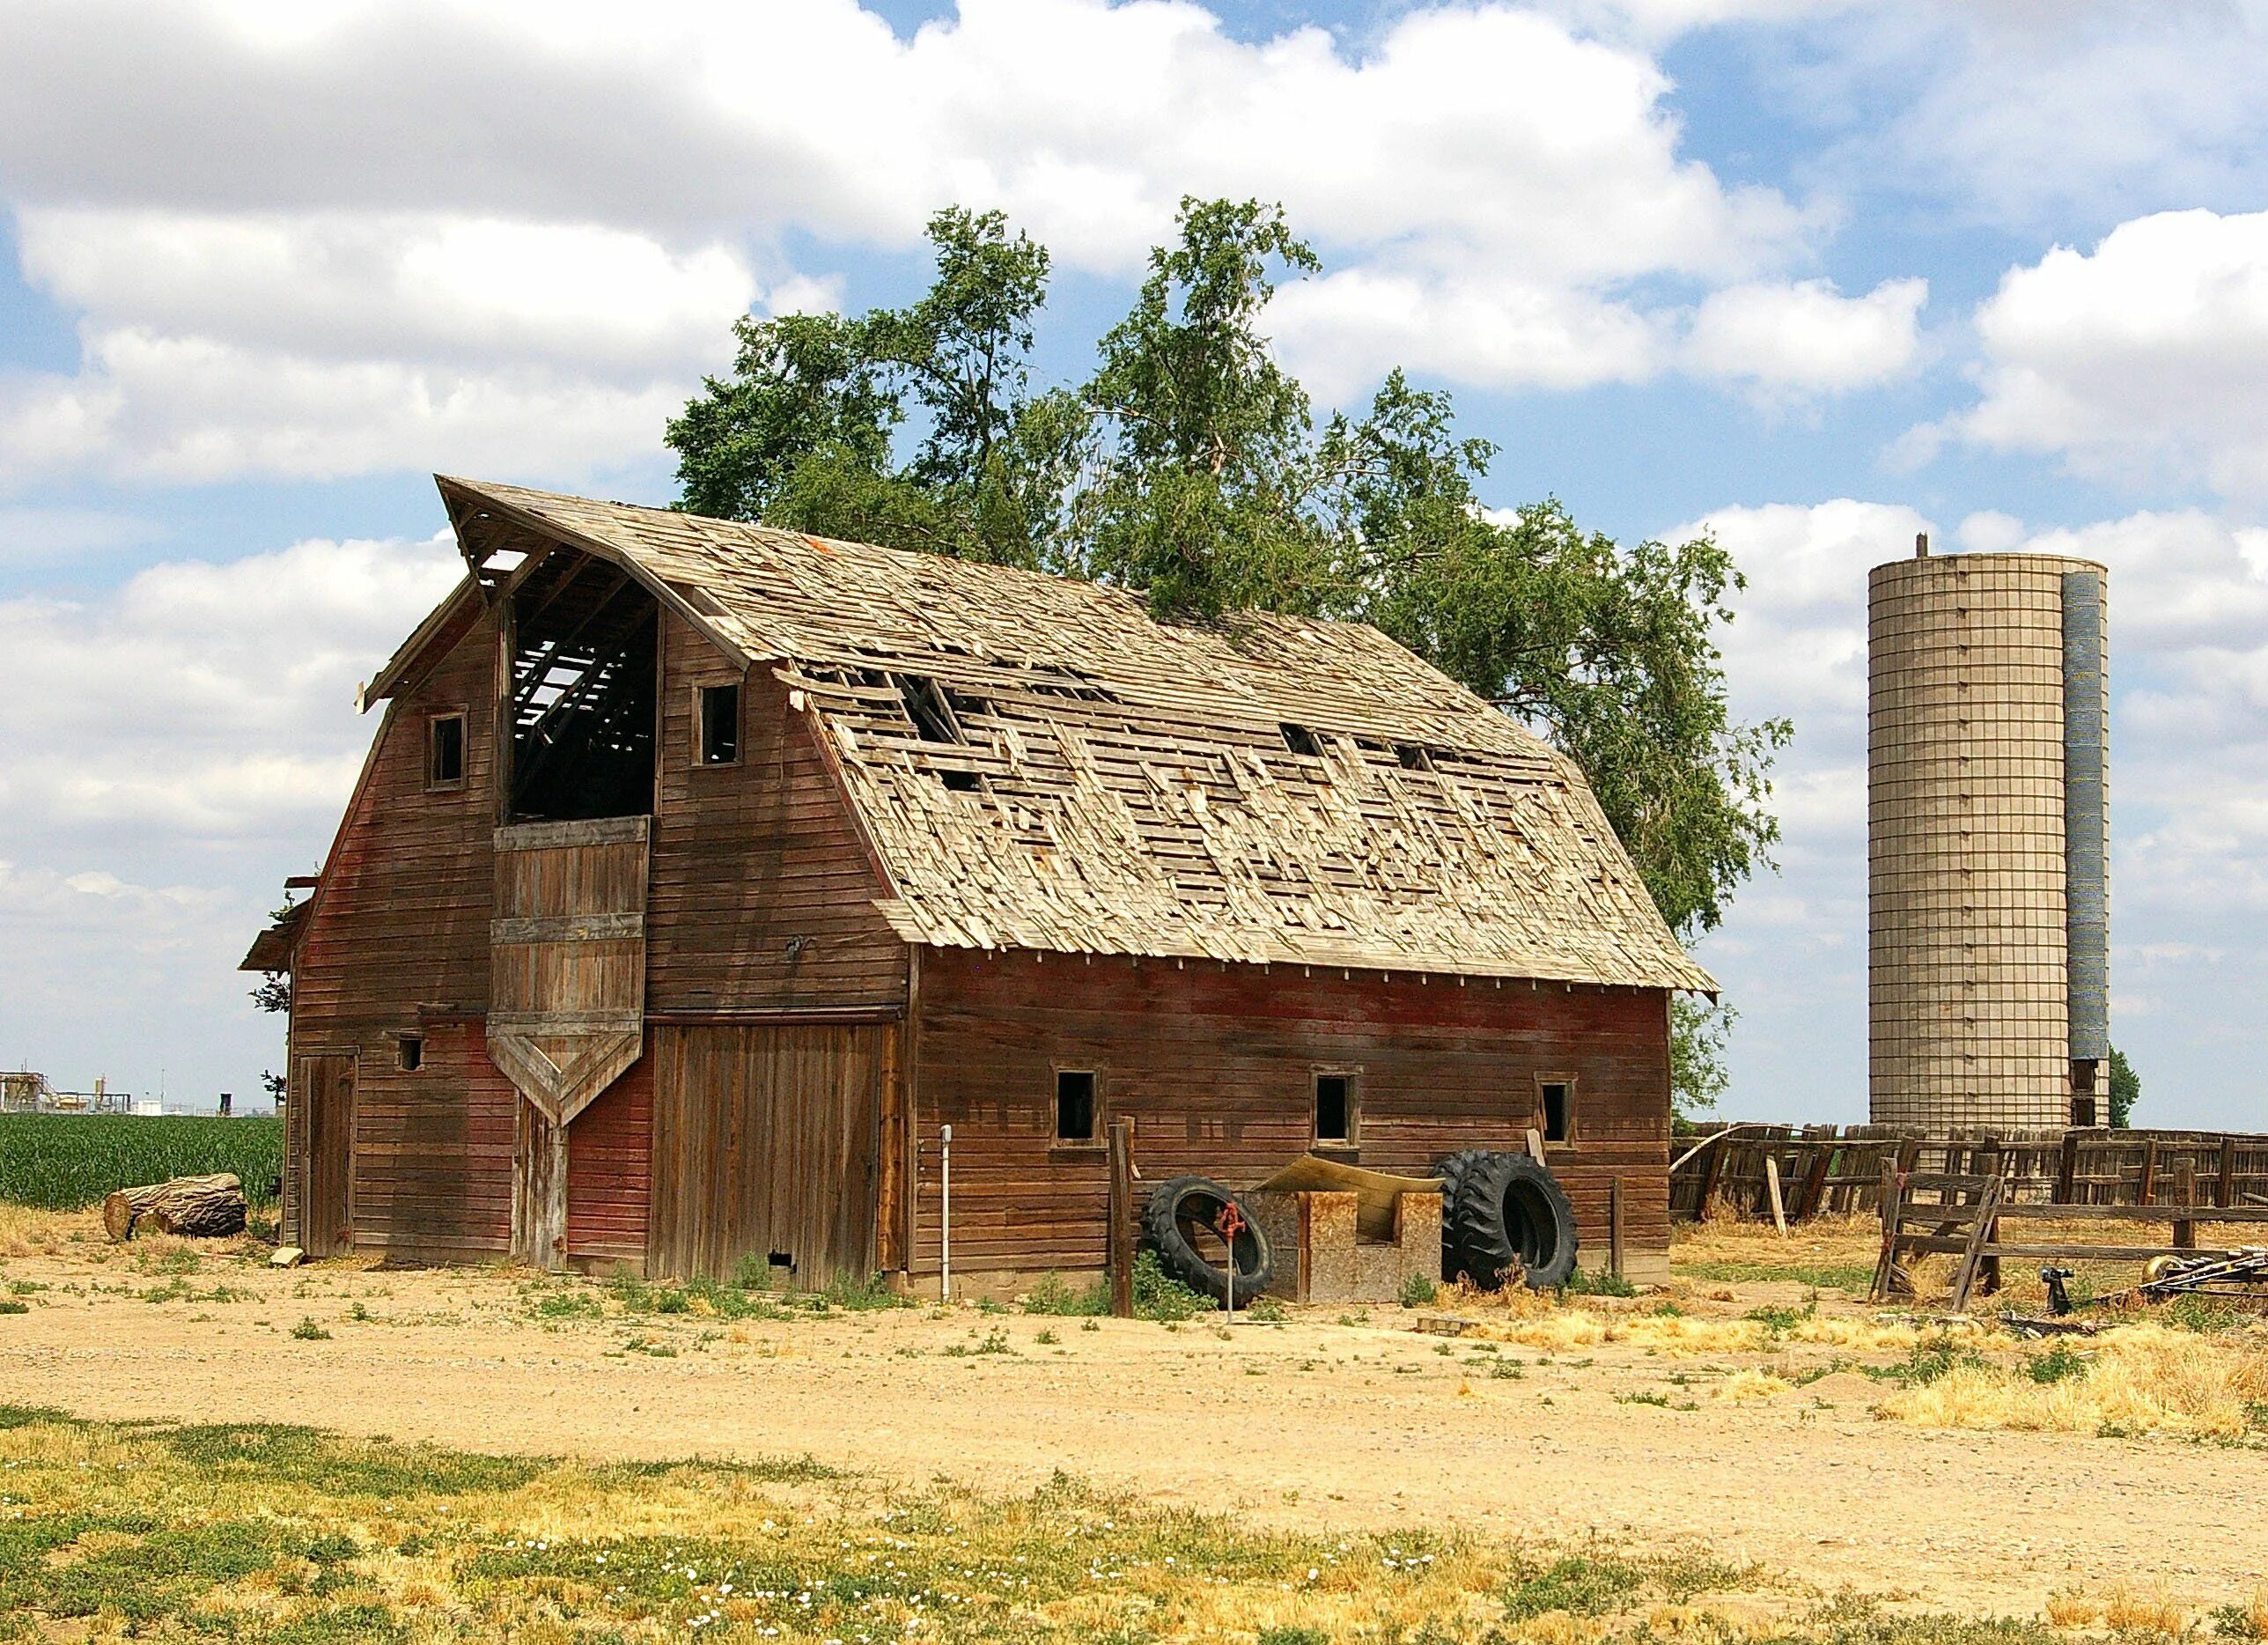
1215	1065
402	917
761	896
766	1139
610	1172
433	1150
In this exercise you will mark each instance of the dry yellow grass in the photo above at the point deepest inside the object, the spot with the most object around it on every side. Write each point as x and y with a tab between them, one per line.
1821	1241
2135	1380
27	1230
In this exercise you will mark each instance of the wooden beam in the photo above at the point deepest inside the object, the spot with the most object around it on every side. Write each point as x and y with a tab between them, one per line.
1120	1245
539	1199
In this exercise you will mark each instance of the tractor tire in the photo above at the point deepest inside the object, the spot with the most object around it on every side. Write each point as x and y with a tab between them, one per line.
1452	1171
1182	1206
1510	1215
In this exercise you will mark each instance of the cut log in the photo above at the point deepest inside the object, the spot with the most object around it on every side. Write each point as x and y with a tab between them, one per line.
200	1206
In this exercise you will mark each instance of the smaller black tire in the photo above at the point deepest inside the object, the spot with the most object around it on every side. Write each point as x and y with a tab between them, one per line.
1511	1213
1452	1169
1180	1210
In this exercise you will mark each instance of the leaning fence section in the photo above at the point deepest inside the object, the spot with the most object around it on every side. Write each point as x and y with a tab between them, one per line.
1838	1169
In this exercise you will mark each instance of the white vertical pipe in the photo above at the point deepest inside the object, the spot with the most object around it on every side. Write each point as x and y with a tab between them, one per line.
944	1218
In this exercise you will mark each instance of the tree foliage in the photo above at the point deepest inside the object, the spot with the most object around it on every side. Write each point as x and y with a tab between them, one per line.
2125	1089
1190	466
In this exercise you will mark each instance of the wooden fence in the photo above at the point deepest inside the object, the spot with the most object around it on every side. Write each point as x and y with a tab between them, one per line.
1838	1169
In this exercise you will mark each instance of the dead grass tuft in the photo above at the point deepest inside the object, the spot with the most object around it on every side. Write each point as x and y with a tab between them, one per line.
2139	1379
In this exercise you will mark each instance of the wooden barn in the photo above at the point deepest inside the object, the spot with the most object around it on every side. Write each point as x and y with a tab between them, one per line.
700	873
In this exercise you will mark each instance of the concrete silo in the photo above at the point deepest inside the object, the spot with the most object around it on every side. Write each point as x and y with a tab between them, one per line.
1986	840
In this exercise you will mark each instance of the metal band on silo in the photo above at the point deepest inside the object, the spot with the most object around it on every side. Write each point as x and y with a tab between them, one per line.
2086	813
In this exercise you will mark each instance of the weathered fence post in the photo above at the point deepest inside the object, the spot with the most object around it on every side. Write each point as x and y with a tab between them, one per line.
1120	1245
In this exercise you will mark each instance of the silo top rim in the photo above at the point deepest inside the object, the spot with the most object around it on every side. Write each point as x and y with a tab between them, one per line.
1924	565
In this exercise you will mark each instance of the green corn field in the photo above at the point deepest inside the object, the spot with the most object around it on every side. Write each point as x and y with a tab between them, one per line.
63	1161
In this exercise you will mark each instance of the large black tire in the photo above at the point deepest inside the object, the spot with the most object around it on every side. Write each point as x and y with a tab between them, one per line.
1181	1205
1509	1213
1452	1171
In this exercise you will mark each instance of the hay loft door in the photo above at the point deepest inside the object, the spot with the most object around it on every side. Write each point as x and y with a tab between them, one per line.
566	996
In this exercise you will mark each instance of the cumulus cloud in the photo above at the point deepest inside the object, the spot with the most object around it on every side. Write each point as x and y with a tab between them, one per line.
1806	338
234	720
2145	357
325	239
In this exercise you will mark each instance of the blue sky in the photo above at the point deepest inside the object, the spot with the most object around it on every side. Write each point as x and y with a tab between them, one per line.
1815	277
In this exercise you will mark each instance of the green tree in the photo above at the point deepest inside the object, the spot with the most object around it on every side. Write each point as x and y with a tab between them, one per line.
1190	466
2125	1089
804	433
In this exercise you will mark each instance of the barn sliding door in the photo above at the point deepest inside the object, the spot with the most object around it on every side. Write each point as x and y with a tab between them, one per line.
766	1145
566	996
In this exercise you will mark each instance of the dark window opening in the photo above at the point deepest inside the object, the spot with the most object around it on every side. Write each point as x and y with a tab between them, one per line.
720	725
409	1051
445	750
1074	1107
583	699
1334	1108
1558	1103
1413	757
2082	1111
1300	740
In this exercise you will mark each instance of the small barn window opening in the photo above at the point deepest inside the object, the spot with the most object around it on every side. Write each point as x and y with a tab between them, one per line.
720	725
1556	1099
410	1052
445	750
1301	740
584	704
1074	1105
1334	1108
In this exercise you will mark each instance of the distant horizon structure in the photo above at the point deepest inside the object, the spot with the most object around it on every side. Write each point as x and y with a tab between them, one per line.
1987	841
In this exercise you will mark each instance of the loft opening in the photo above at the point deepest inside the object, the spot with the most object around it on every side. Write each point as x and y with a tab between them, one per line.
583	710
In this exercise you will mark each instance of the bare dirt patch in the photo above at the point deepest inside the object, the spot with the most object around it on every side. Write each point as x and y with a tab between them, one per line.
1744	1423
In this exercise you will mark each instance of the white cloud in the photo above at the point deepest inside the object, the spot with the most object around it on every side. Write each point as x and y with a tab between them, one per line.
1806	338
2146	356
322	239
233	719
38	536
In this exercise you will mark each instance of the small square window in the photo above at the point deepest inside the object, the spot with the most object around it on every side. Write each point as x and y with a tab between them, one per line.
445	750
1557	1100
1334	1108
1074	1106
410	1052
720	725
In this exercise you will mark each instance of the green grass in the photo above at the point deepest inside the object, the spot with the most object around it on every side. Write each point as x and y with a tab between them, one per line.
66	1162
1820	1276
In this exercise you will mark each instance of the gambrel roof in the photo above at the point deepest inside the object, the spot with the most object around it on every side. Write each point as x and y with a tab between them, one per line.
1037	763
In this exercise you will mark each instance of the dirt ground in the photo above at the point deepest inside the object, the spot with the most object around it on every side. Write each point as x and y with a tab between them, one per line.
1328	1419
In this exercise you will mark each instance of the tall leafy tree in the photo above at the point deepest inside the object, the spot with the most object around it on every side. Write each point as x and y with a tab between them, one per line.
805	432
2125	1089
1191	467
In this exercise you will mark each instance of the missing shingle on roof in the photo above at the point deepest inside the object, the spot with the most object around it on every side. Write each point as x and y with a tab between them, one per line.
1414	756
1300	740
928	706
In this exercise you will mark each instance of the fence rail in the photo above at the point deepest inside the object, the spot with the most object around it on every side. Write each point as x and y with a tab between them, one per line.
1839	1168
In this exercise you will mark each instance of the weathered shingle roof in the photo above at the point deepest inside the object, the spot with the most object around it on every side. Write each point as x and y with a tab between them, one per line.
1040	765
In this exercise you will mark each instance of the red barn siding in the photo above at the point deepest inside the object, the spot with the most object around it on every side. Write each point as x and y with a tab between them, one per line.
432	1165
1215	1066
750	857
610	1171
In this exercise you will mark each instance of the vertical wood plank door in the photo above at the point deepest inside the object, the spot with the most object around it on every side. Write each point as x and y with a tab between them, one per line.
323	1095
567	959
767	1145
